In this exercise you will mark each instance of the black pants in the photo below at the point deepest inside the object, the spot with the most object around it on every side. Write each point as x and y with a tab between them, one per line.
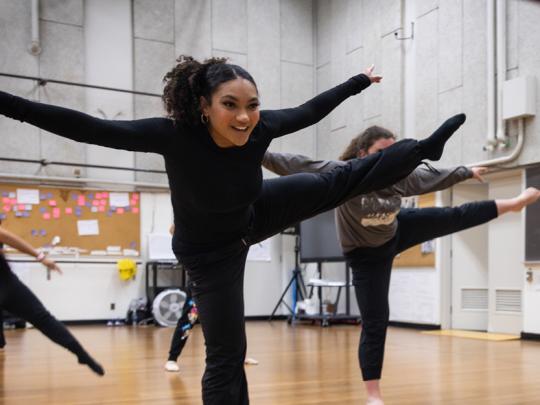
371	268
183	327
17	298
218	276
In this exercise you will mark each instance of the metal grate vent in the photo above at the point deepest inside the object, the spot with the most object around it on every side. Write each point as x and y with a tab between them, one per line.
508	300
474	298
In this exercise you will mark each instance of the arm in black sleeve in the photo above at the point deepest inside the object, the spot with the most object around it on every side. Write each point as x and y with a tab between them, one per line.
290	120
146	135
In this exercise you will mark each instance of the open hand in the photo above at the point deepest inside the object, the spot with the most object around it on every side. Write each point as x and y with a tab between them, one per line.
478	172
374	78
51	265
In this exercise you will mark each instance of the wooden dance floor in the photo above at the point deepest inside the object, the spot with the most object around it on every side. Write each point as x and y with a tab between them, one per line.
302	364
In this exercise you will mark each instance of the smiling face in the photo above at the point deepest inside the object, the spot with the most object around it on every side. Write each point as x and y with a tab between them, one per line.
232	113
377	146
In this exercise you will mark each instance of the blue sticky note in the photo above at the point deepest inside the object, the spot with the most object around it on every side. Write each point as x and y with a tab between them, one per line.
49	195
25	214
88	204
90	196
133	245
109	213
34	232
42	232
5	194
43	197
42	209
2	216
74	196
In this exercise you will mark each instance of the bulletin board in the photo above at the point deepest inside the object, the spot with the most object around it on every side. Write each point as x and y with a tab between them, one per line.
87	220
414	257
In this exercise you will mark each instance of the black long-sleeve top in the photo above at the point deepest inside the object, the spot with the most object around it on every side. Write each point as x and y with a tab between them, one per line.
212	188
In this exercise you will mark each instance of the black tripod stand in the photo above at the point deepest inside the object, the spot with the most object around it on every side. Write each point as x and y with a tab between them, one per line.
296	278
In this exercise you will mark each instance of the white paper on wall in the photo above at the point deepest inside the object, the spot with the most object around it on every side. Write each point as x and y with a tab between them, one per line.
88	227
119	199
27	196
160	246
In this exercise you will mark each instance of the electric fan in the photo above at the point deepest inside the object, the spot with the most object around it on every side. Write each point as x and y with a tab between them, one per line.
167	306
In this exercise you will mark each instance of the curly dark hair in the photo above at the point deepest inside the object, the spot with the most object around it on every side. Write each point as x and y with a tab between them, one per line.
190	80
365	140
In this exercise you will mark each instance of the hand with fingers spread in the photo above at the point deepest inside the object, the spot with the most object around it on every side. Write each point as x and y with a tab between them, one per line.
478	172
375	78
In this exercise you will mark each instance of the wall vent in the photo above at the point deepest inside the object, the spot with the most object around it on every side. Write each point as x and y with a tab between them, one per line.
474	298
508	300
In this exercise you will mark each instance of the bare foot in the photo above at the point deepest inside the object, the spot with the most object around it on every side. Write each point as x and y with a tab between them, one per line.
374	401
527	197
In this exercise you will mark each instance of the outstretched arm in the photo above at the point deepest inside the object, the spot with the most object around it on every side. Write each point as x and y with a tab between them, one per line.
427	179
290	120
147	135
22	246
288	163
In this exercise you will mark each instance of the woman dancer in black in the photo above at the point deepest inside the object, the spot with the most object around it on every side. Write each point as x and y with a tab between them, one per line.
213	142
373	229
16	298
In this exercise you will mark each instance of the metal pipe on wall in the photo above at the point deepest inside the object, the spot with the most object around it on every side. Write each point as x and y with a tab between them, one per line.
35	45
490	74
500	23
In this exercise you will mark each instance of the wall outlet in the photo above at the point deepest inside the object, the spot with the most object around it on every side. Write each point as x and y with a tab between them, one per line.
113	306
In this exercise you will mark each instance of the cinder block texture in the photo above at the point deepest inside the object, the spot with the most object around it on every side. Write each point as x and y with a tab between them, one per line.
296	89
62	11
20	141
297	31
154	19
450	44
263	58
152	61
54	147
229	25
354	23
62	57
193	28
324	32
15	31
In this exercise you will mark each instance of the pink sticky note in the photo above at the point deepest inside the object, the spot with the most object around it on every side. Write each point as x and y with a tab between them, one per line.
69	210
95	203
21	207
104	195
56	212
119	210
52	203
133	202
134	196
135	210
98	196
13	201
81	201
101	208
6	200
103	202
46	215
6	208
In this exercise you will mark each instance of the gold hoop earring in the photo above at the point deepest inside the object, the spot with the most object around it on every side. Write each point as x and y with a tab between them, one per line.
204	119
